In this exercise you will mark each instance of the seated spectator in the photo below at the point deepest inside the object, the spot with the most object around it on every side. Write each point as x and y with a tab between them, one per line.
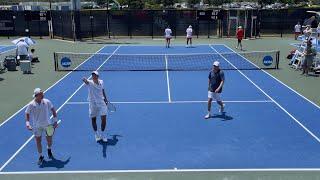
307	32
33	58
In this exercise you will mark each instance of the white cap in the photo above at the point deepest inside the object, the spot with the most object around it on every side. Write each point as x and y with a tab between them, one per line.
216	63
190	26
36	91
240	27
95	72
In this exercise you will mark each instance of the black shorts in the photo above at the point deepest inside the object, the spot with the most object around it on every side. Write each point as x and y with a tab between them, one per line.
239	40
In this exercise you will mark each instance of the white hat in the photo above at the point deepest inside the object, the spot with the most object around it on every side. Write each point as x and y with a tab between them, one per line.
95	72
36	91
190	26
240	27
216	63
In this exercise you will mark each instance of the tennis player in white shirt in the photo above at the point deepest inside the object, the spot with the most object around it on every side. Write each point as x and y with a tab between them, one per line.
97	104
167	34
189	36
38	112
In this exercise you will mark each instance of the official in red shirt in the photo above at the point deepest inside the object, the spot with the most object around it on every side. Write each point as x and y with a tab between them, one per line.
240	35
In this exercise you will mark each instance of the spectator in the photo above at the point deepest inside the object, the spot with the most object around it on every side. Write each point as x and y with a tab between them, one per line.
33	58
318	30
240	35
314	22
297	30
22	50
307	32
309	55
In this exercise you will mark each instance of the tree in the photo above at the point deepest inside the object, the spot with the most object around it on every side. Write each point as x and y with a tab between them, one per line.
136	4
167	3
216	2
101	2
152	4
192	3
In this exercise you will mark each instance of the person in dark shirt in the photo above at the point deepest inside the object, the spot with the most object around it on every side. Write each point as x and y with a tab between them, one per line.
215	83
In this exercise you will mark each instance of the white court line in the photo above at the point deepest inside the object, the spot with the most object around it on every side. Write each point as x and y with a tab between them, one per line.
305	128
17	152
63	40
168	80
165	170
171	102
48	88
7	50
276	79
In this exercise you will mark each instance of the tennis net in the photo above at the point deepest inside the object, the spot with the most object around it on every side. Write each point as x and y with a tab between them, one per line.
65	61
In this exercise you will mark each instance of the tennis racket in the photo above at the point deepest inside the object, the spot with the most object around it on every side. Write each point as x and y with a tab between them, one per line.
111	107
50	129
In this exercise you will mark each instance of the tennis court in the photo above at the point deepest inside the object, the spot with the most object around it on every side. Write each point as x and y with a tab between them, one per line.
159	124
4	48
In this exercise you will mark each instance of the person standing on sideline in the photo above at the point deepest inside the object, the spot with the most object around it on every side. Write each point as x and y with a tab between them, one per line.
318	30
22	50
97	105
38	111
167	34
216	81
297	30
189	35
309	55
240	35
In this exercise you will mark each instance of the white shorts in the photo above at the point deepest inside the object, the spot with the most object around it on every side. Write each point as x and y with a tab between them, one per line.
38	131
96	109
213	95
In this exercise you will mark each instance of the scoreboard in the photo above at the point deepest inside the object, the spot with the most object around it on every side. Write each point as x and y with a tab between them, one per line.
206	15
36	15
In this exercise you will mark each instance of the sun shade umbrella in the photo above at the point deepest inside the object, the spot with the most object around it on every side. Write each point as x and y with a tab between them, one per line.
27	40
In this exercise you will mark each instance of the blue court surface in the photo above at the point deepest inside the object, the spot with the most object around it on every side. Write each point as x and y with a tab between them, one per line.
160	125
4	48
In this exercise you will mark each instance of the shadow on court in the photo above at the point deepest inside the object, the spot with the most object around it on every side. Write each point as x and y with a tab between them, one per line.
111	142
223	117
55	163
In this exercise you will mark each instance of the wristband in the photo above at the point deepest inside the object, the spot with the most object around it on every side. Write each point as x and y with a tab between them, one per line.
27	123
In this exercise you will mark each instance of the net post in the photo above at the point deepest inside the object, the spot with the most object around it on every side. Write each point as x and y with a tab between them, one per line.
55	61
278	59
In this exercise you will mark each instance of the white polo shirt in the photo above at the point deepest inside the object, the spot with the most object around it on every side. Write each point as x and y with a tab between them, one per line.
297	28
167	32
40	113
189	32
95	92
22	48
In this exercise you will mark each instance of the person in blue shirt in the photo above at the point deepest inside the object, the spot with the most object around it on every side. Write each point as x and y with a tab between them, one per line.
215	83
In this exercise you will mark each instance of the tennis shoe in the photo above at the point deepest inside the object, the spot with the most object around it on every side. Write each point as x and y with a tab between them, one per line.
50	155
40	160
98	137
221	110
104	139
207	116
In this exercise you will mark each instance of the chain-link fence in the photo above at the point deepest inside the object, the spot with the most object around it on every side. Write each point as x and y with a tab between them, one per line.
84	24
